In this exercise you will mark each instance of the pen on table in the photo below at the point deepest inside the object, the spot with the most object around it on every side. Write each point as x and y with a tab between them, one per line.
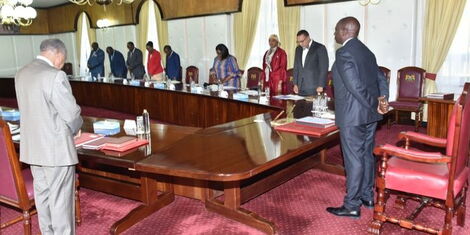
279	115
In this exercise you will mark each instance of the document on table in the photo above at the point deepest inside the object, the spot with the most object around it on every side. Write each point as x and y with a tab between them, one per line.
289	97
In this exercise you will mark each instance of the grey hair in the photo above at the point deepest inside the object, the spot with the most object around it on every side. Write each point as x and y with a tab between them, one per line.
55	45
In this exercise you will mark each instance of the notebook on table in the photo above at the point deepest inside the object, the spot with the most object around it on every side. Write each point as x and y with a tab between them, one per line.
86	138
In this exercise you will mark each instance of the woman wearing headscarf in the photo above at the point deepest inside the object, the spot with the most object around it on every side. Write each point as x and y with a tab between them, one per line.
275	67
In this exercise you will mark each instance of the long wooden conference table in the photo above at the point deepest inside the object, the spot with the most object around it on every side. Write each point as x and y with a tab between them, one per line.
238	159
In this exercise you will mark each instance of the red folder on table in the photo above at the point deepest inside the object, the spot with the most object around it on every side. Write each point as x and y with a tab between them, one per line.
86	138
305	129
125	145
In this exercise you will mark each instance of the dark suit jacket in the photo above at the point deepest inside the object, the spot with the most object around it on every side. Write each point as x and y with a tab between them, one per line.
315	70
96	63
358	83
135	64
118	65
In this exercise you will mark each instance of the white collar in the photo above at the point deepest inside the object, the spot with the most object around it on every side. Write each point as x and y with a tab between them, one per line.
40	57
347	40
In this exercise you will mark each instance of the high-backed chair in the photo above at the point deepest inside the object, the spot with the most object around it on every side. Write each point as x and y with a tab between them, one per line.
410	84
67	68
192	74
290	82
329	88
253	78
431	178
386	72
17	184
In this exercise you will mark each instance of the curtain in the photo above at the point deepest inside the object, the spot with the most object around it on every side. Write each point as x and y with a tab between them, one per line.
162	30
142	28
289	24
244	28
78	36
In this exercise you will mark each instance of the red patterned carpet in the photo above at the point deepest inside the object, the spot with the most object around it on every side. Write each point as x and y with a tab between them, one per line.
296	207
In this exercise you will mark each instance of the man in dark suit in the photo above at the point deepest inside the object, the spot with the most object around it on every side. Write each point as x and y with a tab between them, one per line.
117	63
134	61
310	65
96	61
361	93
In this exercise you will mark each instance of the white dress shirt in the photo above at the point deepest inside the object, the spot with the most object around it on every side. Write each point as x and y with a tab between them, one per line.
40	57
305	52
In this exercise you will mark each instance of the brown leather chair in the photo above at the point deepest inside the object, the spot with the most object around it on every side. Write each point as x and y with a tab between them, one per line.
431	178
253	78
386	72
17	184
68	68
192	74
290	82
410	85
329	89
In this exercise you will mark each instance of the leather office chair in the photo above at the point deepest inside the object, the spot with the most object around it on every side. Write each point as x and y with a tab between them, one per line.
329	89
410	85
253	78
386	72
431	178
17	184
290	82
192	74
67	68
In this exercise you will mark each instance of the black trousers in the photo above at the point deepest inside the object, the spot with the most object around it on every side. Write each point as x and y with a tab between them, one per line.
357	144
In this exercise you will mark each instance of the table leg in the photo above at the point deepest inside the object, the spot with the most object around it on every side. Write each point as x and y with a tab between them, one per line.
152	202
231	209
331	168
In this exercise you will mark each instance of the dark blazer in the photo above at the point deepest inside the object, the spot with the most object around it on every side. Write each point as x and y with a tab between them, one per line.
118	65
96	63
135	64
173	66
315	70
358	83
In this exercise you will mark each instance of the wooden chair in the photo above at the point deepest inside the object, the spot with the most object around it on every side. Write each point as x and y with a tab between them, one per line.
67	68
329	89
290	82
192	74
17	184
254	78
410	85
386	72
431	178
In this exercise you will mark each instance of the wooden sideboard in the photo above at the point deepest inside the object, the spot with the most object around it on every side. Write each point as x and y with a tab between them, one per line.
439	112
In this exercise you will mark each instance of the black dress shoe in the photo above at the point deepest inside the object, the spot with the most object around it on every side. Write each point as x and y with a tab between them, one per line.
368	204
343	211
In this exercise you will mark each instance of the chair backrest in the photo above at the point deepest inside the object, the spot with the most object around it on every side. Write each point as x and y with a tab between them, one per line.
466	87
329	89
410	83
253	77
67	68
290	81
386	72
192	74
13	189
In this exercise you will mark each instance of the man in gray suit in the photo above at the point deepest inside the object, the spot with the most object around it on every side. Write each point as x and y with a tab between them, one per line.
134	61
50	118
310	65
361	93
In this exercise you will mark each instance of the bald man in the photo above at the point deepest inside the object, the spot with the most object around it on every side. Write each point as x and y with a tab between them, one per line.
359	86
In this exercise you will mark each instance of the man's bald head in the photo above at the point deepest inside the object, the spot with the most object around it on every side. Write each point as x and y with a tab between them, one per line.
346	28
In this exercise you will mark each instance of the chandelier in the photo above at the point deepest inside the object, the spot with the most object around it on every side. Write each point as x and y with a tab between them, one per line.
17	12
100	2
366	2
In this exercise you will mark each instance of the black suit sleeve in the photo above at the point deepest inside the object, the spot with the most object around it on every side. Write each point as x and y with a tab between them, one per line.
348	71
383	85
323	64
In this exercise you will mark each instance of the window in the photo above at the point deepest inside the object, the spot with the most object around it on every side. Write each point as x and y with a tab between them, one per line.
456	68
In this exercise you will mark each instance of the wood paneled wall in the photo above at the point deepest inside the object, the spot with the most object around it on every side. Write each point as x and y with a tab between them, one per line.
188	8
308	2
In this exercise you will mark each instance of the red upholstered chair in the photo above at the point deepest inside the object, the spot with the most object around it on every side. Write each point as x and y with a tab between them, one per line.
329	89
431	178
192	74
17	185
410	85
67	68
253	78
290	81
386	72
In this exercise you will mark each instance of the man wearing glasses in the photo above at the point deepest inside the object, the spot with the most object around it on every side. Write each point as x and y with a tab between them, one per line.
310	65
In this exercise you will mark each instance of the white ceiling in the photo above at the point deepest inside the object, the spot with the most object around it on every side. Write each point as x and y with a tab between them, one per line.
47	3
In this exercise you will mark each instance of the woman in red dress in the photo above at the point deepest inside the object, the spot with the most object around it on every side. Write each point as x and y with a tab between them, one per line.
274	67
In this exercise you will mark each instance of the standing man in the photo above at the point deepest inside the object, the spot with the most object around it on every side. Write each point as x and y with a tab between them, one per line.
134	61
173	65
117	63
96	61
361	94
50	118
154	63
310	65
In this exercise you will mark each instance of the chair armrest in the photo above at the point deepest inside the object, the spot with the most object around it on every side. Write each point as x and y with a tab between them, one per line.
422	138
412	155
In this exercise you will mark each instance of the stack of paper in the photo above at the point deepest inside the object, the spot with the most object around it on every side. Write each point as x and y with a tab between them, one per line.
289	97
316	122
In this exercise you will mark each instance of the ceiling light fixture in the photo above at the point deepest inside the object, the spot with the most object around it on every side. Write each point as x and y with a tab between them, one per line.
17	12
100	2
366	2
